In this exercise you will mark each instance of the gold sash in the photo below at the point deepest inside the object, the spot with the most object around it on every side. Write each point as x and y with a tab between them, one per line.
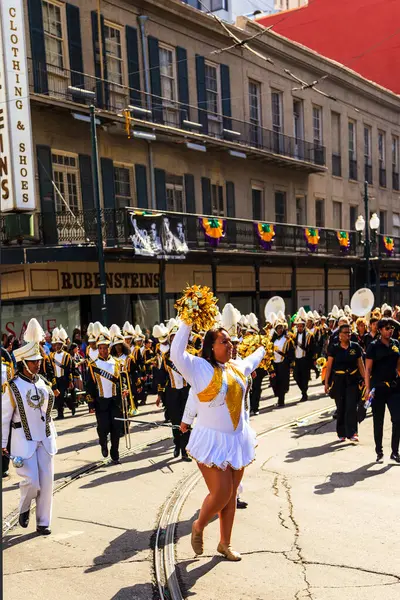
234	394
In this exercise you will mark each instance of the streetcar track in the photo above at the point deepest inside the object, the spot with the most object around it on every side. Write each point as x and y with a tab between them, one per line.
165	571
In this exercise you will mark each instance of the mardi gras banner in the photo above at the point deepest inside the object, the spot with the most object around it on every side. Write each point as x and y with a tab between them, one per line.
265	233
344	241
312	238
155	234
214	229
388	243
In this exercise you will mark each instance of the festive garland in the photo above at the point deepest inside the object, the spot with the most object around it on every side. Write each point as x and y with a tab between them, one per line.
214	229
266	234
388	242
344	241
197	307
312	238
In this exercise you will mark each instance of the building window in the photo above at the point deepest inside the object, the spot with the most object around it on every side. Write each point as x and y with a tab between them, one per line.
396	225
213	100
317	125
368	154
280	207
381	148
298	128
53	34
66	178
382	222
209	5
113	50
336	146
255	112
353	217
301	210
168	85
256	195
217	200
320	212
277	111
123	186
352	150
175	195
395	162
337	215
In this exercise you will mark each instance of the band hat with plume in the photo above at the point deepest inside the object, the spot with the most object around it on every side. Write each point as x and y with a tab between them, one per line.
127	330
34	332
310	316
280	320
317	316
299	320
386	307
138	334
104	337
63	335
230	320
252	323
160	332
90	333
116	335
30	351
172	326
271	320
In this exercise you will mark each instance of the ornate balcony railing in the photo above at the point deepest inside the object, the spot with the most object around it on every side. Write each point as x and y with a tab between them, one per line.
54	82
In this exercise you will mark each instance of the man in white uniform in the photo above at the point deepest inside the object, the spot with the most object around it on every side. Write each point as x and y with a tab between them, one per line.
26	406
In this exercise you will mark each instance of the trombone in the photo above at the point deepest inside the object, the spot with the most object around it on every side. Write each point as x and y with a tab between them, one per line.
126	387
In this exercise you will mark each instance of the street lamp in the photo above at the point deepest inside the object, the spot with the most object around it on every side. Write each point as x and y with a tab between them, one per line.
360	226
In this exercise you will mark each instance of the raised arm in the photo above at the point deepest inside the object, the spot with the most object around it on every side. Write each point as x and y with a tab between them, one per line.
250	363
195	370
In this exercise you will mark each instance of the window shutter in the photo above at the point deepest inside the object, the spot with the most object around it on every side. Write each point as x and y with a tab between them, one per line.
161	191
107	179
226	96
201	92
89	214
75	48
183	82
155	79
230	211
47	204
132	50
190	194
141	186
38	50
102	87
206	193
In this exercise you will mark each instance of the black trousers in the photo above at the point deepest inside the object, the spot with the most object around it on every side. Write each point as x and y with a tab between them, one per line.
382	398
106	411
347	396
175	402
301	374
62	386
280	383
255	394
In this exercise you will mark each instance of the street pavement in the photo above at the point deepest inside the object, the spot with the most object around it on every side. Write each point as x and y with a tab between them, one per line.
322	519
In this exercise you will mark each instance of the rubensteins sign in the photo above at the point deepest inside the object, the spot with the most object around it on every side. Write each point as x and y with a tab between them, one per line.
17	180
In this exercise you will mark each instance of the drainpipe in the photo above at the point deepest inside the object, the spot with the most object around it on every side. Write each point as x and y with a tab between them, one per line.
142	20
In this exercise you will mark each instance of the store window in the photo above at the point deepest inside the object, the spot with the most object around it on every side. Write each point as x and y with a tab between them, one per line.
15	316
53	34
66	178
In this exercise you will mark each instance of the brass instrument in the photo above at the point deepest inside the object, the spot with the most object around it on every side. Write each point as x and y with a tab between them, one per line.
126	387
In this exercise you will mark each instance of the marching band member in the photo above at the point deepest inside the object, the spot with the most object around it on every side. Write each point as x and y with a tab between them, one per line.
382	374
104	388
120	350
128	332
149	358
304	349
363	337
138	360
174	392
222	442
63	370
259	374
91	351
283	356
26	407
7	373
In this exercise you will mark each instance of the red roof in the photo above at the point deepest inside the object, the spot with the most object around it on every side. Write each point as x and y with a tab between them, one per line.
363	35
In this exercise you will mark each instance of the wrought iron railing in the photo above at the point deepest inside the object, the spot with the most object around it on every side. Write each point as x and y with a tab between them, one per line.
56	83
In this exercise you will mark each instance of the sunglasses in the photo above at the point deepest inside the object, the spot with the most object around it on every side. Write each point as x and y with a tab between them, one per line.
389	328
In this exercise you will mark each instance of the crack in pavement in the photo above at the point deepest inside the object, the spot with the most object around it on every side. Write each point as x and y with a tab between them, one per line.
92	566
362	569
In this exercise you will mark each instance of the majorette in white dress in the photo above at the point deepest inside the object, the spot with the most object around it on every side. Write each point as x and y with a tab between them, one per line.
222	435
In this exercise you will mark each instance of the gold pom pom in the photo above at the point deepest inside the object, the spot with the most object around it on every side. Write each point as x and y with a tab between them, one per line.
251	343
197	307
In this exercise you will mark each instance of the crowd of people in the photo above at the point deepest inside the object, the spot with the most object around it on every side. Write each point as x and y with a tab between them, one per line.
191	369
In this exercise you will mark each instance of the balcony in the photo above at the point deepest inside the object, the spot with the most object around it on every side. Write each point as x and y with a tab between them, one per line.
368	173
80	230
395	181
177	121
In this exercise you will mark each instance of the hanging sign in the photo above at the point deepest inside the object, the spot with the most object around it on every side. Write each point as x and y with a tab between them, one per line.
17	124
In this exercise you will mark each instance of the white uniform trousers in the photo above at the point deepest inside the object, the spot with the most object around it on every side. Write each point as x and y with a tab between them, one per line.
38	478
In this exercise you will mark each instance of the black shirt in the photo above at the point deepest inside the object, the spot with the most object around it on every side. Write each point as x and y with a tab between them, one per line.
345	359
385	360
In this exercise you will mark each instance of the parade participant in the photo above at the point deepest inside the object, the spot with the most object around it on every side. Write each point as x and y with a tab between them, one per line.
373	325
139	367
173	394
304	350
26	406
346	364
283	356
128	332
160	333
222	441
103	385
63	369
120	350
91	350
149	358
7	373
381	374
363	337
255	384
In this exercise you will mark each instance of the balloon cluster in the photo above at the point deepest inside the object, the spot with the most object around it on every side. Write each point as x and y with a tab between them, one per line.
197	307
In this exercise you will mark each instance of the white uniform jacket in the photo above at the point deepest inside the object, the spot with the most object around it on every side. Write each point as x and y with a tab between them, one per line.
27	404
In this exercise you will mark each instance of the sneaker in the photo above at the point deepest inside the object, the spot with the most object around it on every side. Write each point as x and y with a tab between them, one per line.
342	439
241	503
354	438
256	412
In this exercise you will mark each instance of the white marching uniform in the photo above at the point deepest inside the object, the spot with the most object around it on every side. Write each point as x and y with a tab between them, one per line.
222	435
92	353
26	407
